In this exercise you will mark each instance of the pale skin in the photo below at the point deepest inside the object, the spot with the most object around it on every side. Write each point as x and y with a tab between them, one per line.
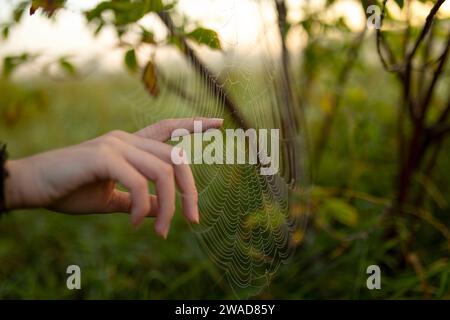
81	179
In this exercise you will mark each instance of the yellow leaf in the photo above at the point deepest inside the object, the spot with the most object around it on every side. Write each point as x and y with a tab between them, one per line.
150	80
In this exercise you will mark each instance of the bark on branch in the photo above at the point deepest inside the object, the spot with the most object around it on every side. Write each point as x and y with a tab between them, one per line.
206	75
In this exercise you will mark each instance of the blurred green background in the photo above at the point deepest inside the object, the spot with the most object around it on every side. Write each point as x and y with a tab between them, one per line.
350	193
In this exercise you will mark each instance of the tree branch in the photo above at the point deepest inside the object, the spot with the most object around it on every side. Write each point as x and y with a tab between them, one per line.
436	75
426	28
426	63
210	80
441	131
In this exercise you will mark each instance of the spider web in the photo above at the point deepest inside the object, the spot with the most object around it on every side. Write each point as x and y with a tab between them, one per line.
248	225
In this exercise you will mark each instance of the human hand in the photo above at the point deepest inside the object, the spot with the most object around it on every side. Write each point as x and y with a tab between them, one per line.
81	179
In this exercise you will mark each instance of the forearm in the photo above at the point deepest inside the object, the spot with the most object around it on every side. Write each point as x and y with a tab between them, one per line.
82	179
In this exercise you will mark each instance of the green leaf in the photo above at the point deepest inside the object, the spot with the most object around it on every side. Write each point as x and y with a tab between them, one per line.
19	10
131	60
176	41
125	12
67	66
5	32
340	211
154	5
170	6
205	36
147	36
10	63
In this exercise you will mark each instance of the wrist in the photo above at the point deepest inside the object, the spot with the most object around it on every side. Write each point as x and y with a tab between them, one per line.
12	185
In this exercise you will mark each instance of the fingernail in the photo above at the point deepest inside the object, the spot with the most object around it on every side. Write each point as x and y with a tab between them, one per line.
136	227
164	234
136	220
219	120
196	217
160	230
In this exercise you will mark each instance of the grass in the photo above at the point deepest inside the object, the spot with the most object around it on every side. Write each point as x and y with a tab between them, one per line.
36	246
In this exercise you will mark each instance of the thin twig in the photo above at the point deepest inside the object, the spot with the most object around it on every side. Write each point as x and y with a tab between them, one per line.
342	80
382	44
288	119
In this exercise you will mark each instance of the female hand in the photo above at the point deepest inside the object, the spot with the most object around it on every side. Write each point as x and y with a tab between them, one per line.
81	179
